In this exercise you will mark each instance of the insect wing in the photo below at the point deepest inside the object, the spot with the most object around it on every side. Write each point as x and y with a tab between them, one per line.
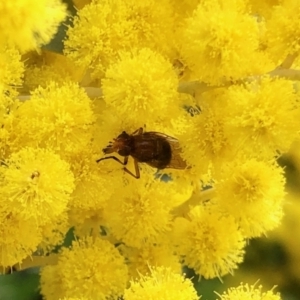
177	161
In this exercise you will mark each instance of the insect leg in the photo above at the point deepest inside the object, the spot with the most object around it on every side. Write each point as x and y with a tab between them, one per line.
137	176
136	166
137	171
113	157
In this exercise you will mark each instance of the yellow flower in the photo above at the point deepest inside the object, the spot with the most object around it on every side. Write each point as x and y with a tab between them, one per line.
220	41
41	69
91	268
206	142
36	184
8	105
263	8
209	242
139	260
253	192
28	24
94	185
54	233
283	31
89	181
104	28
162	283
263	119
19	238
246	292
140	211
141	87
11	67
56	117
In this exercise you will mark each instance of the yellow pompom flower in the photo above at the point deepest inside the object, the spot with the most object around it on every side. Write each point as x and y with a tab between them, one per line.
139	260
206	142
253	192
91	268
162	283
54	233
264	117
19	237
41	69
11	67
142	83
104	28
8	105
219	41
36	184
140	212
283	31
246	292
209	242
28	24
56	117
92	190
94	185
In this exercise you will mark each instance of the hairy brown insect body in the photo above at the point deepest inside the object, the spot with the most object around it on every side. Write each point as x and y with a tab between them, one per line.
151	149
156	149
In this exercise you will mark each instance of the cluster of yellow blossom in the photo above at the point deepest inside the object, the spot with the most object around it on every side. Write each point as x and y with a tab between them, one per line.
205	72
246	292
23	23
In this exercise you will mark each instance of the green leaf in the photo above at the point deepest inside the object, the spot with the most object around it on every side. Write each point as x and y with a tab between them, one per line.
56	44
23	285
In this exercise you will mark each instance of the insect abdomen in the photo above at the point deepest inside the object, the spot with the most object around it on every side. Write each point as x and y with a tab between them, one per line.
164	155
153	150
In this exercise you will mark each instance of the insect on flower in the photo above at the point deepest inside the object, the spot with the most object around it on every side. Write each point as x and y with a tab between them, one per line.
156	149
